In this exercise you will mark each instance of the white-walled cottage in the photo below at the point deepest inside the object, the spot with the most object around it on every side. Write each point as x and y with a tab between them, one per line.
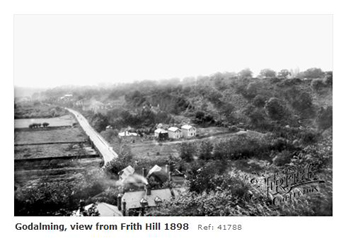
174	132
188	131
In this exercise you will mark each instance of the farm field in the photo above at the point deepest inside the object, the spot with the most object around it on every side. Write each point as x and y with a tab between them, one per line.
52	151
29	173
34	136
156	150
66	120
208	131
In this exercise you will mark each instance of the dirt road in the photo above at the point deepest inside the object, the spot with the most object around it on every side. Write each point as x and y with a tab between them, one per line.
101	144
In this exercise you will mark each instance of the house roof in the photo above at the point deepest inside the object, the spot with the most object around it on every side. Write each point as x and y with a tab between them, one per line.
133	198
126	172
173	129
187	127
103	208
155	168
127	134
159	130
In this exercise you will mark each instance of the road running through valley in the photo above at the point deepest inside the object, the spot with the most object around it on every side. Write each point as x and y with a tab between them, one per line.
101	144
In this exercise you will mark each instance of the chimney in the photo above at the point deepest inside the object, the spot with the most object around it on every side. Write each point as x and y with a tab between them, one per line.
82	207
148	190
119	201
144	172
124	208
167	168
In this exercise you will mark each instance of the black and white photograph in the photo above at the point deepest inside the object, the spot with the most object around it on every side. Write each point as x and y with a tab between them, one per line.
173	115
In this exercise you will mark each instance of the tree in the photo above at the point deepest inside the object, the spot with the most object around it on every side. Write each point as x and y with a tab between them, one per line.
274	109
253	89
205	150
259	101
245	73
199	115
317	84
328	79
313	73
99	122
304	105
267	73
109	134
325	118
284	73
187	151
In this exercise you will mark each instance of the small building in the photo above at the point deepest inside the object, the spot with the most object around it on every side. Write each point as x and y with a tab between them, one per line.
92	105
127	134
102	209
134	201
67	97
174	133
127	171
162	126
97	106
188	131
161	134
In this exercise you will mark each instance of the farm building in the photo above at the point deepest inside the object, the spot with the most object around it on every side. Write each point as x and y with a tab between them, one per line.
92	105
174	133
129	137
128	134
66	98
123	174
161	133
96	106
188	131
135	201
103	209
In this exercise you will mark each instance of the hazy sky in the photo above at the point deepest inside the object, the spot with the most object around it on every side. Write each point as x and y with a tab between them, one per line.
53	50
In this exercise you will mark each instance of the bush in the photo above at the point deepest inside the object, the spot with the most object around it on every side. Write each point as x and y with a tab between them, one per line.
309	137
259	101
275	109
325	118
187	151
282	158
317	85
205	150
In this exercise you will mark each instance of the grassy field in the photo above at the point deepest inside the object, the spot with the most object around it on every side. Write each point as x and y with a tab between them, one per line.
27	110
34	136
52	150
154	150
28	173
66	120
209	131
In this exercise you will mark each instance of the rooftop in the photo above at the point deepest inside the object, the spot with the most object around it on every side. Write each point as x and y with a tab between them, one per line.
173	129
133	198
159	130
103	208
187	127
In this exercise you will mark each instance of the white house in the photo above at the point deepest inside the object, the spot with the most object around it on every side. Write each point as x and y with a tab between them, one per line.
174	132
127	134
188	131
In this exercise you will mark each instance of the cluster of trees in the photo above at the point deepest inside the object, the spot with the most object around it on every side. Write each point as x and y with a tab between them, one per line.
222	99
122	118
238	147
38	125
36	109
50	198
215	190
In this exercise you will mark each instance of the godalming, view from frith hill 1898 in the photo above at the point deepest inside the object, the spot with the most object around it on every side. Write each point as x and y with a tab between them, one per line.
254	141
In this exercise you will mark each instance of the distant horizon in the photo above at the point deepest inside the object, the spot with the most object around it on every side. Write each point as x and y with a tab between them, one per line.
86	50
143	80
